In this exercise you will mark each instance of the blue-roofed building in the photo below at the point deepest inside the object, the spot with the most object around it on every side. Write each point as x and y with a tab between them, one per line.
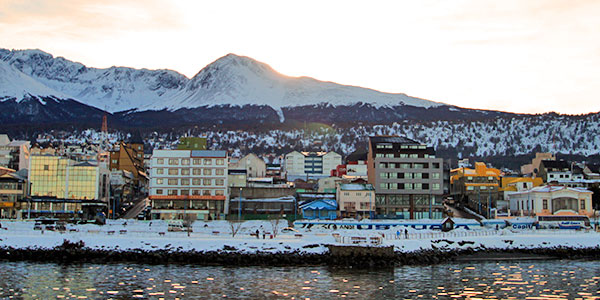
320	209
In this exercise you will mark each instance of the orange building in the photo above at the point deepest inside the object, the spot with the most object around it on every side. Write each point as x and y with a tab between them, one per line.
130	157
476	188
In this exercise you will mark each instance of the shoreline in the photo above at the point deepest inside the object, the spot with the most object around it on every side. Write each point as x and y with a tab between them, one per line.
355	256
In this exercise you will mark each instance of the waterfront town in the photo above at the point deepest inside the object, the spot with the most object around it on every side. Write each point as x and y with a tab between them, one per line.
394	178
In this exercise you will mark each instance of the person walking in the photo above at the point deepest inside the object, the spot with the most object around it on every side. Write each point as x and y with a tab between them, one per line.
406	233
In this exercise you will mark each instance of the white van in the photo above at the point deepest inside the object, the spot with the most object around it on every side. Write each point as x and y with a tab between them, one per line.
175	225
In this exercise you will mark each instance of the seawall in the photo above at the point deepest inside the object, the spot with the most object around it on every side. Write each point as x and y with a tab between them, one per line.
355	256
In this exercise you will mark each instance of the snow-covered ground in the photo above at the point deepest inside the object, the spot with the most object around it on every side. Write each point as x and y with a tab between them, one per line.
214	235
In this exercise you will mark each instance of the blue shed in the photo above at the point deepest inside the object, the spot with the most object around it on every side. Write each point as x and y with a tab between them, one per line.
320	209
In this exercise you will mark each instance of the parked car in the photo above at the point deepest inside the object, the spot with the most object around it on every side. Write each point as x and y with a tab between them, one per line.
37	226
141	216
60	226
175	225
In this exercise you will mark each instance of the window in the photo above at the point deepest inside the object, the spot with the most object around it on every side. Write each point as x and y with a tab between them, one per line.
160	171
220	161
383	165
185	181
196	192
206	192
46	167
435	165
220	181
470	178
470	188
379	155
173	171
408	186
405	166
418	186
159	181
159	192
435	175
490	178
173	161
220	172
196	161
483	187
389	155
185	192
185	171
207	181
185	161
196	181
545	204
207	171
414	155
207	161
172	192
582	204
383	186
219	192
346	194
436	186
160	161
417	175
197	171
172	182
403	155
114	161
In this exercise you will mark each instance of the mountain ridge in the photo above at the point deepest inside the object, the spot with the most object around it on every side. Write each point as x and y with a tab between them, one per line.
230	80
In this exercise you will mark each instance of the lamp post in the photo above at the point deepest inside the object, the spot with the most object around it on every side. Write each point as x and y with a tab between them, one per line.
240	206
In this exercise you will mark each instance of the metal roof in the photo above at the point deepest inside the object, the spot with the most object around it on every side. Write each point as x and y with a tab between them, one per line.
209	153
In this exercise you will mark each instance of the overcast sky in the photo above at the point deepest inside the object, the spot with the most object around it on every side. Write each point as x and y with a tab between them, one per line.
512	55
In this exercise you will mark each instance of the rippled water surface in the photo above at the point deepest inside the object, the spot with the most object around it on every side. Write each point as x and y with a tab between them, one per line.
488	280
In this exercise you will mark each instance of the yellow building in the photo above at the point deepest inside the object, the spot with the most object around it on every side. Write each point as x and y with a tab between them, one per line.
476	188
60	186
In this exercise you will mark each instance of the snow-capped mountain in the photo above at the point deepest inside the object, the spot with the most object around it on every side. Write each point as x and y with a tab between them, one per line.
231	81
239	80
112	89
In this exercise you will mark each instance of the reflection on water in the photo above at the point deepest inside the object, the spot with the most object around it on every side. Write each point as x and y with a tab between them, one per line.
491	280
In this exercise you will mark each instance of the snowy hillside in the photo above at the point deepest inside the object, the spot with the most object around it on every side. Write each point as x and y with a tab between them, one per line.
231	80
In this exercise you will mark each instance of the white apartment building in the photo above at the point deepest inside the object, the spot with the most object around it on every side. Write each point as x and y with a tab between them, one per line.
189	183
311	164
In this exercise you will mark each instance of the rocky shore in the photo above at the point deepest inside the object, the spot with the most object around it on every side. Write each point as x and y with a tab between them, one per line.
77	252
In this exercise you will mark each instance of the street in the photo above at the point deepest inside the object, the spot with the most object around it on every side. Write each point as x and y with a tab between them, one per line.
138	206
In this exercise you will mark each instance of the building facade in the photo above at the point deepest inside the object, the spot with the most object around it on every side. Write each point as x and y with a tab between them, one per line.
407	178
61	187
129	157
476	188
13	189
552	200
189	184
356	200
252	164
311	164
14	154
555	171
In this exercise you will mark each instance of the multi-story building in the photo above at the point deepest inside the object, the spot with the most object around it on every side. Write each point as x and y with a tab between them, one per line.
61	187
189	184
252	164
14	154
13	189
356	200
129	157
310	164
476	188
534	167
407	178
555	171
